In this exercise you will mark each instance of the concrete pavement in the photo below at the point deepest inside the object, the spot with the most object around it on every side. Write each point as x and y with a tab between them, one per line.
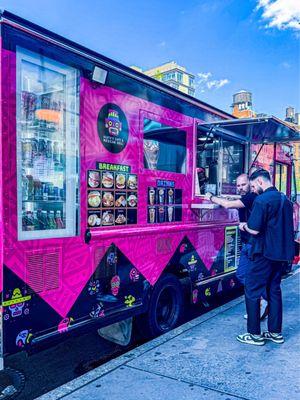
202	360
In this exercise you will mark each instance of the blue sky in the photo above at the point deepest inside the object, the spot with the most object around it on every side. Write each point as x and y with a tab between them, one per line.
228	44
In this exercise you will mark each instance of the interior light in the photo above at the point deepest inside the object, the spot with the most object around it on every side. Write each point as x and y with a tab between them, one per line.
99	75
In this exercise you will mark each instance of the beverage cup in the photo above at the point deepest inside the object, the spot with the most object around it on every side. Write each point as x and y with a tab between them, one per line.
161	196
152	215
161	214
170	196
151	197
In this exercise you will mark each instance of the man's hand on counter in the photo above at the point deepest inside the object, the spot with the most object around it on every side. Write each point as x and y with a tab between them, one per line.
208	195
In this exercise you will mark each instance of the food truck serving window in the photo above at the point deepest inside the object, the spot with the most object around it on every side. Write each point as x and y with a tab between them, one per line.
232	165
164	147
47	147
219	162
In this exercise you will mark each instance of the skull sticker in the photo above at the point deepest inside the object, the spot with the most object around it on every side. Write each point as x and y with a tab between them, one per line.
115	285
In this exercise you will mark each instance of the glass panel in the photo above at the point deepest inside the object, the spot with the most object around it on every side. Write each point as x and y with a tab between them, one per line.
164	147
207	163
233	165
284	176
281	177
278	176
47	151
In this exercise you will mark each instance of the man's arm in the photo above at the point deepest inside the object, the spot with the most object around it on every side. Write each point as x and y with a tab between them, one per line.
224	202
256	220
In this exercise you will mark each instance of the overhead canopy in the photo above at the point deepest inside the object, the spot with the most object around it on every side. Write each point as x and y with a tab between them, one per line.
255	130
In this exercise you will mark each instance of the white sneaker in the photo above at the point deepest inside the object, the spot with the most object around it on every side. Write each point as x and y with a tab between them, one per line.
245	316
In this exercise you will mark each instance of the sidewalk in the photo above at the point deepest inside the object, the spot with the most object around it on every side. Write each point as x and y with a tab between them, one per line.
202	360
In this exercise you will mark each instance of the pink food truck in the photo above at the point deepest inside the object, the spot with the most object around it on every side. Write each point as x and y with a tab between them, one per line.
103	172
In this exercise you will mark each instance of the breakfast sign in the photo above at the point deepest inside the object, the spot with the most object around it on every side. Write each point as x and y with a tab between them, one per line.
112	195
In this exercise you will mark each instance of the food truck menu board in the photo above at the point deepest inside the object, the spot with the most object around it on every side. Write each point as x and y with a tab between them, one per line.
164	203
231	248
111	197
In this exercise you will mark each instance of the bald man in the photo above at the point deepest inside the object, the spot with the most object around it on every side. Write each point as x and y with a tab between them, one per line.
244	206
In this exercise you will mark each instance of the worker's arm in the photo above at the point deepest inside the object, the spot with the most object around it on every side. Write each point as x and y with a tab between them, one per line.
224	202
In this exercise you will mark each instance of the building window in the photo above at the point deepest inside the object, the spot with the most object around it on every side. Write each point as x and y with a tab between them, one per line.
164	147
168	76
179	76
191	81
191	92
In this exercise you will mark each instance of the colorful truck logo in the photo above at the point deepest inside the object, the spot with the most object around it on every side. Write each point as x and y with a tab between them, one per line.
112	123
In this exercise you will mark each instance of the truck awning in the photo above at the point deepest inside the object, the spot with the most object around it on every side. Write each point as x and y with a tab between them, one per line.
255	130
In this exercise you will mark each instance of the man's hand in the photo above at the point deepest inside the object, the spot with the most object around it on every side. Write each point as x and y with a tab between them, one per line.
242	226
208	195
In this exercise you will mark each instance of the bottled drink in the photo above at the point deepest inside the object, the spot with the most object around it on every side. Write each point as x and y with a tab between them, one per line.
56	153
27	152
29	221
52	223
24	186
39	218
35	148
58	220
50	191
55	193
49	149
30	187
44	222
24	221
38	190
62	157
42	147
36	221
45	190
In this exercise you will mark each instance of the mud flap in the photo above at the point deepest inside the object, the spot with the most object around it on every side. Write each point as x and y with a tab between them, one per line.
119	333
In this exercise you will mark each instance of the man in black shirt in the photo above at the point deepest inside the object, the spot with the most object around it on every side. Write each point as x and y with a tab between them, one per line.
271	228
244	206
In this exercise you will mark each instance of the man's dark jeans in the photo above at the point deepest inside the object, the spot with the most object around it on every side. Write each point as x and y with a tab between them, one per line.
263	276
243	263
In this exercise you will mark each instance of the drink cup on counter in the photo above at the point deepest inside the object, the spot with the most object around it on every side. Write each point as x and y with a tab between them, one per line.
151	215
161	214
170	213
151	196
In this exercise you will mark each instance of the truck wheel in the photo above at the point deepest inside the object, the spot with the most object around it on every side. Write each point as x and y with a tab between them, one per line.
165	307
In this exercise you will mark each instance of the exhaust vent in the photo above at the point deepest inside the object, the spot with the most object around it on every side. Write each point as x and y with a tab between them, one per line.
43	270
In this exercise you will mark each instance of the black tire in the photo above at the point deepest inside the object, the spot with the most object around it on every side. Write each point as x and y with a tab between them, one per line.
165	307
